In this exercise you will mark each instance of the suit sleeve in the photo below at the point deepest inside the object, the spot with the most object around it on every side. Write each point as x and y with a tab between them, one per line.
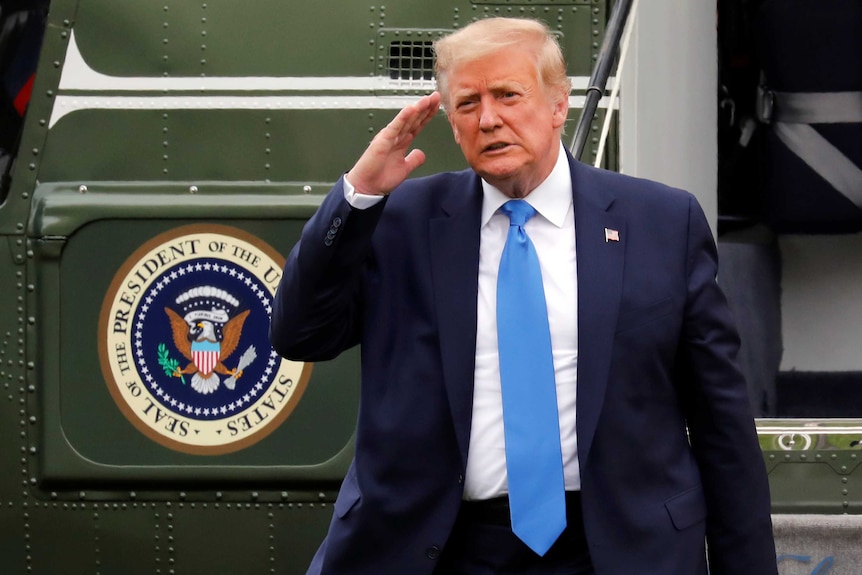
721	426
317	310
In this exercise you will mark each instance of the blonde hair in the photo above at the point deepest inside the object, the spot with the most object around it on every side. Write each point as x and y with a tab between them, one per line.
485	37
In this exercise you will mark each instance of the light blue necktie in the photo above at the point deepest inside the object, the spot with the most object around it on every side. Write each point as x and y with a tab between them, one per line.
534	460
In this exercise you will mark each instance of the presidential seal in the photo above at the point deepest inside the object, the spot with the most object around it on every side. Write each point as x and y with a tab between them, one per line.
183	341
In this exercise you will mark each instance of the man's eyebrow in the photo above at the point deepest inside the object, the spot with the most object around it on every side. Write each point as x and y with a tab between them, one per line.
464	94
507	85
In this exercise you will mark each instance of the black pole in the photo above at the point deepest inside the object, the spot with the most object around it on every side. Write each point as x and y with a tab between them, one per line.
604	62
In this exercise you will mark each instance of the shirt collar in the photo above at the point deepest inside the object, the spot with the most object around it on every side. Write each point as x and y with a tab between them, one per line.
551	198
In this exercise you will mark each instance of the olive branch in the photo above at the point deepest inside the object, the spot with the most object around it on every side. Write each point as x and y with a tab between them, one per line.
168	364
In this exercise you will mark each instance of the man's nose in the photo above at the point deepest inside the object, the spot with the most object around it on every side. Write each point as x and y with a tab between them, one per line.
489	119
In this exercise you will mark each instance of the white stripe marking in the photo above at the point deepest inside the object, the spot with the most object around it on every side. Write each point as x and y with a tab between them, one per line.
78	76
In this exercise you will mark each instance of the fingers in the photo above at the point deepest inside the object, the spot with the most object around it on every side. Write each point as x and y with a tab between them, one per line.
414	159
426	108
386	162
413	118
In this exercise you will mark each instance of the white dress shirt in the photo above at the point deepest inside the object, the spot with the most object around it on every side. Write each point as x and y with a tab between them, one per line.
552	231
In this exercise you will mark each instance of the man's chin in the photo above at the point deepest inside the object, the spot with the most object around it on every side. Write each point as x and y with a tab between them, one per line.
500	169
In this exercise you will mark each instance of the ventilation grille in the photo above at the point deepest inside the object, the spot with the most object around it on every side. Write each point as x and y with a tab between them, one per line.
411	60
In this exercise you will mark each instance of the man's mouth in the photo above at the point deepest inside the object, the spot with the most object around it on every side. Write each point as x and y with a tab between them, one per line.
496	146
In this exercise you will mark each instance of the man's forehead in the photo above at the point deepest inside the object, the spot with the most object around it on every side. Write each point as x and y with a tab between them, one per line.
493	72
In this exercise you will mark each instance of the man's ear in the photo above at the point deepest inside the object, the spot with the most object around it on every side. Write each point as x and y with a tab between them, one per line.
561	108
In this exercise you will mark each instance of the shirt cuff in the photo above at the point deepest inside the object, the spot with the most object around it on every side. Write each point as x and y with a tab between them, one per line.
357	200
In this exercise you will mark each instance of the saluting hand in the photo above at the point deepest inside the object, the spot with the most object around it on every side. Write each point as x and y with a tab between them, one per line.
386	163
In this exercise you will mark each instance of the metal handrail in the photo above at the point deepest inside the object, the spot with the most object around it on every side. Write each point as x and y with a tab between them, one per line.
601	72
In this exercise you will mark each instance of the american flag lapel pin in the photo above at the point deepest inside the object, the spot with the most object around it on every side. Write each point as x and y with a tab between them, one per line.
611	235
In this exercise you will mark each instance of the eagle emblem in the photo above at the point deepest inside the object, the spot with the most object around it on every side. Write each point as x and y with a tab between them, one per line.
207	333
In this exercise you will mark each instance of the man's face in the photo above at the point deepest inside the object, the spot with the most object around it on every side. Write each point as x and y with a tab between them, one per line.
507	124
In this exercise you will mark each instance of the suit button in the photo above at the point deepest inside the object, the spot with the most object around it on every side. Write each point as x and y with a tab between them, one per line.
331	233
336	222
460	480
432	552
327	242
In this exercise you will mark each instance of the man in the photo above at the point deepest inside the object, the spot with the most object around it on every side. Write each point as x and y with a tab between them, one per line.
654	440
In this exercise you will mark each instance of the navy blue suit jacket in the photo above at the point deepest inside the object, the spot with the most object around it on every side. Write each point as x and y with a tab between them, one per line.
666	443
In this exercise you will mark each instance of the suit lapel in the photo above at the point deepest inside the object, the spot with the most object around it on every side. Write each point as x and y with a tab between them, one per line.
600	261
454	238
